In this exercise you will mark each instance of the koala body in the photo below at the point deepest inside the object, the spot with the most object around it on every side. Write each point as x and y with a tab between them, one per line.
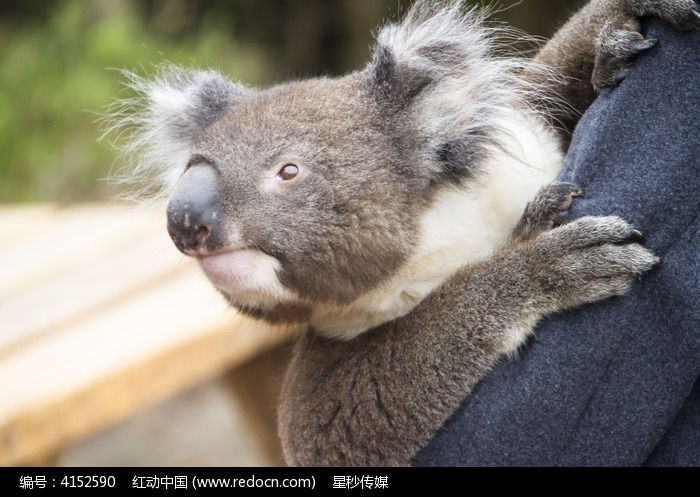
392	211
357	266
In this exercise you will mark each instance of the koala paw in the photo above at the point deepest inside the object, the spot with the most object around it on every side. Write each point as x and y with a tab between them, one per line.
620	40
589	259
544	212
619	43
682	14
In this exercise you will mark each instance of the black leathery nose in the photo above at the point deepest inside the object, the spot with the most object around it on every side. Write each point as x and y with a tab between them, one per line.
193	220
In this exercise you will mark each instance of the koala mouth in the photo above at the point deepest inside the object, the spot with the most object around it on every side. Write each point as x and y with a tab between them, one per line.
248	276
230	270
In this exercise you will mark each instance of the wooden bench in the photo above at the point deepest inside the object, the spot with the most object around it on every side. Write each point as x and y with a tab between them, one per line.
99	317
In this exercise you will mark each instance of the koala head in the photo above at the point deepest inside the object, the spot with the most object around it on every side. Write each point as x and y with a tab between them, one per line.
337	200
289	198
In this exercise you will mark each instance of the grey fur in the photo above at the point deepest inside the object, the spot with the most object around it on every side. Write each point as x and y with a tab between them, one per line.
380	153
377	399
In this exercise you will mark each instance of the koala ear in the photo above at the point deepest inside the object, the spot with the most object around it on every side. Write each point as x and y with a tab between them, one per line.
439	74
159	125
183	103
433	42
396	84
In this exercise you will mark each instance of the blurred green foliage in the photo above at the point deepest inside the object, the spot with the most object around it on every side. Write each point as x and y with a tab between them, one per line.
59	66
57	76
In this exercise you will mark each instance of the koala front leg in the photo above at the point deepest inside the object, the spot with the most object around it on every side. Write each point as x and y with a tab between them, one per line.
377	399
593	50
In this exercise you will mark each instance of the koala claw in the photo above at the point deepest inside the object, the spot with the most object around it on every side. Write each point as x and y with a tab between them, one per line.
619	43
544	212
696	18
644	45
690	21
620	76
637	236
681	14
637	47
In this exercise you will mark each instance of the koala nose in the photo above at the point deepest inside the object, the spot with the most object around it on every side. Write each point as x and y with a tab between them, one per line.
193	221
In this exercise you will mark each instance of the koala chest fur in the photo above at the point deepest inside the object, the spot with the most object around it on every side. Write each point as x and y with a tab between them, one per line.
373	207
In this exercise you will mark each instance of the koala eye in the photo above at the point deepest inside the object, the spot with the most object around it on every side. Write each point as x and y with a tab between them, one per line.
288	172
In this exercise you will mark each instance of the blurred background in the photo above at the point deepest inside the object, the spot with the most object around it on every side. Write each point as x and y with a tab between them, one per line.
59	63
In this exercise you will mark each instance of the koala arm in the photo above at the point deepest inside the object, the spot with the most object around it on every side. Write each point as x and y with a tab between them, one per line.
377	399
598	40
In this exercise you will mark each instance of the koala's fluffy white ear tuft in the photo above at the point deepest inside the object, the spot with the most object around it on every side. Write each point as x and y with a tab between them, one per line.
159	124
440	68
436	40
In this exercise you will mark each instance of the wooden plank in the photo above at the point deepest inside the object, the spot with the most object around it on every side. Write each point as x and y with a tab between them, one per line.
86	376
100	316
76	292
69	239
20	222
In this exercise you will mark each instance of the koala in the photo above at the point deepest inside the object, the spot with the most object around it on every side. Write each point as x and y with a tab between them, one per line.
406	213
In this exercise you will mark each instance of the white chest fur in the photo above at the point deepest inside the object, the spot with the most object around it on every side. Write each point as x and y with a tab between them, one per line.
462	226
